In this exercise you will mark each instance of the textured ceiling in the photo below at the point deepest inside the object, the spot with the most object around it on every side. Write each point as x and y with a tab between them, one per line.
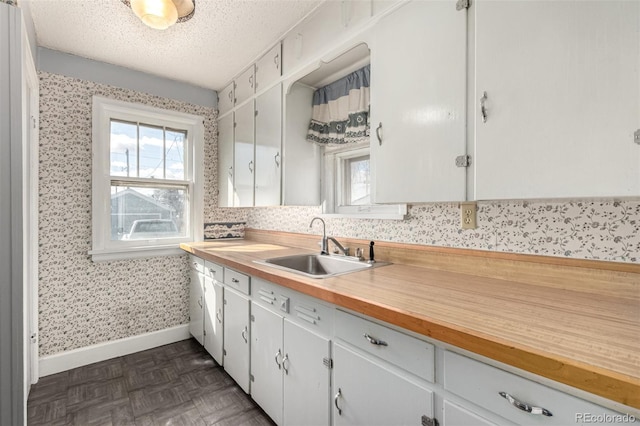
223	37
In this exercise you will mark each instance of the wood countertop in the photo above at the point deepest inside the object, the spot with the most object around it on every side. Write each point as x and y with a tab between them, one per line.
575	322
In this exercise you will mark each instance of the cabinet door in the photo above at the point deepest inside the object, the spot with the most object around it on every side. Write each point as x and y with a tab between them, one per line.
226	99
243	162
266	359
307	378
269	67
368	393
268	147
213	318
418	104
236	337
245	85
454	415
225	161
563	99
196	303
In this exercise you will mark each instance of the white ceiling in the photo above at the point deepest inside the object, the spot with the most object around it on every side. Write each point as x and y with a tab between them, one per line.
223	36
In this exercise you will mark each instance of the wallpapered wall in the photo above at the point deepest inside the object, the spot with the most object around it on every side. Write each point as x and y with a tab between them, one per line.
81	302
604	230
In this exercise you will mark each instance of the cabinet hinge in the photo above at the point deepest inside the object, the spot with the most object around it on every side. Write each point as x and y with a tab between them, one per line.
255	113
463	160
253	318
234	124
328	362
636	136
224	352
204	332
429	421
225	301
463	4
253	379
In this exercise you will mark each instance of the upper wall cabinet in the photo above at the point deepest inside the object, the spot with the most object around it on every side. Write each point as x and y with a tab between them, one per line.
243	156
418	104
557	99
268	146
269	68
225	161
245	85
226	99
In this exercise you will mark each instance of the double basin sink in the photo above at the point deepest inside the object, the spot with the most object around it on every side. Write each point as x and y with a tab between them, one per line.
318	265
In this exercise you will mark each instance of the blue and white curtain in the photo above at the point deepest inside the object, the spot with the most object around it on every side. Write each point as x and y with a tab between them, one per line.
341	110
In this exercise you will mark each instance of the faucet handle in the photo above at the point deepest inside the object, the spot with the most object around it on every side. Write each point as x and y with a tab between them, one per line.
371	255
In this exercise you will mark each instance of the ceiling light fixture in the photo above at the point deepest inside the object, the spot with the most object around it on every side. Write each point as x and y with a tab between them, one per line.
161	14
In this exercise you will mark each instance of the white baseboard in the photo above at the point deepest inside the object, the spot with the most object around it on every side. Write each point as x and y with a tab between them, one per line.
64	361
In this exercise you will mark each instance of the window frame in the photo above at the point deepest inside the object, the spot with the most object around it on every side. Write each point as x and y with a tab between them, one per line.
335	186
105	110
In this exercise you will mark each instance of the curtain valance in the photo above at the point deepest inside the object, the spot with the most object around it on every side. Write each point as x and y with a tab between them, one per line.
341	110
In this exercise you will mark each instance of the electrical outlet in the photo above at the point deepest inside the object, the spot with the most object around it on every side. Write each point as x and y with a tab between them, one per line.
468	215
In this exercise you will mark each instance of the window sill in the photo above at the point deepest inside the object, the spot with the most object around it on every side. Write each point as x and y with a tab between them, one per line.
135	253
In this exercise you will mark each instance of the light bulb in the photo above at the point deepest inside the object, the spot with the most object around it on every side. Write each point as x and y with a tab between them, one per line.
157	14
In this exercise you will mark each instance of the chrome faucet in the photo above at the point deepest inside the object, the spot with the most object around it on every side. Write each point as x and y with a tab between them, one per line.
323	249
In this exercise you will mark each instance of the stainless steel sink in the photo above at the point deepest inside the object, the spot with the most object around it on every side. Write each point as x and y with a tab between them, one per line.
317	265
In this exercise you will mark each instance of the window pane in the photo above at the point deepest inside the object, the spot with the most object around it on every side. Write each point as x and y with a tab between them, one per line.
359	183
151	152
123	148
148	213
175	154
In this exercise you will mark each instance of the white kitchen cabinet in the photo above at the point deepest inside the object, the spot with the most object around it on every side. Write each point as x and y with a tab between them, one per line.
236	337
455	415
244	85
266	361
268	146
290	361
226	99
196	299
562	83
269	67
243	161
225	161
372	393
418	104
499	392
213	318
307	379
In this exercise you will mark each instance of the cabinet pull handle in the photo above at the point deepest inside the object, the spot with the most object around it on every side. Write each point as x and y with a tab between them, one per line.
375	341
213	271
218	316
200	302
278	355
276	60
284	367
276	159
335	401
378	134
244	335
525	407
230	96
251	166
483	108
231	171
195	265
251	81
235	280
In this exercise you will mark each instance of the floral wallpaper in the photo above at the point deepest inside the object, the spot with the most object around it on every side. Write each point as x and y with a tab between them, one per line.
603	230
81	302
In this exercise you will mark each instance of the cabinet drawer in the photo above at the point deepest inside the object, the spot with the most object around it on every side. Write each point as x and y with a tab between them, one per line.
237	280
215	271
481	384
405	351
196	264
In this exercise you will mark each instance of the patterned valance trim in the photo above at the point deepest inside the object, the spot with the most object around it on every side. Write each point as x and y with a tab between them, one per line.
341	111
